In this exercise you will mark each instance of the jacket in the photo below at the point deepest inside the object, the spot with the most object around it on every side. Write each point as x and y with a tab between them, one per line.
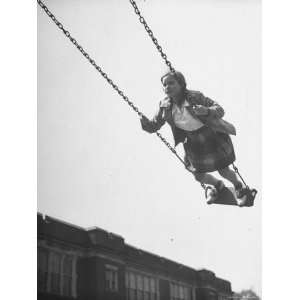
213	119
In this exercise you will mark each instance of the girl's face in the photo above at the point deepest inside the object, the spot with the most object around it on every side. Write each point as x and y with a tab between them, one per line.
171	86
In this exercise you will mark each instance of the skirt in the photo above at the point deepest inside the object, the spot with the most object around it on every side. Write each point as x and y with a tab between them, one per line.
207	150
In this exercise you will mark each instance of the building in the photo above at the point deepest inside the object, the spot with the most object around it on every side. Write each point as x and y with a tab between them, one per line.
93	264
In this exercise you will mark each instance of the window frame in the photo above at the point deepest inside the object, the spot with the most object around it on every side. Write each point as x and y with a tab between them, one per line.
179	290
113	286
133	291
57	271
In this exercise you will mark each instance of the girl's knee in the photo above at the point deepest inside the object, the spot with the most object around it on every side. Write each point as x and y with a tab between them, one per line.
199	176
224	171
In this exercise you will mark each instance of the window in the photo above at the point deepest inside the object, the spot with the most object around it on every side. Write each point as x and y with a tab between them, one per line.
152	289
67	276
42	266
127	285
132	287
111	278
55	272
146	288
180	292
140	287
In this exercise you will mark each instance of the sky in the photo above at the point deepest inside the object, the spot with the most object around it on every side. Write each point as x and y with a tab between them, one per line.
96	167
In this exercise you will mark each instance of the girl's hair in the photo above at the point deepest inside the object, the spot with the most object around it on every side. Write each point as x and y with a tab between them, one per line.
178	76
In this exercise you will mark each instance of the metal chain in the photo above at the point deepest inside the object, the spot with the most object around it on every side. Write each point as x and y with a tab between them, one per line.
174	151
93	63
87	56
237	171
153	38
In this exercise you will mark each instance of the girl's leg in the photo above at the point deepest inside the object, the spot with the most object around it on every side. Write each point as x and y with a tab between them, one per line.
238	185
206	179
230	175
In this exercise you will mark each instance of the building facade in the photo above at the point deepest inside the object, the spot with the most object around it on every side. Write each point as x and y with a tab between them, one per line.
93	264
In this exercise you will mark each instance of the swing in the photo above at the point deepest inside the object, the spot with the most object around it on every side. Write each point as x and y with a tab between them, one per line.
227	195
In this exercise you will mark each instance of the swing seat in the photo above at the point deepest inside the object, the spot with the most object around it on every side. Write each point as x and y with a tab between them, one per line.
227	196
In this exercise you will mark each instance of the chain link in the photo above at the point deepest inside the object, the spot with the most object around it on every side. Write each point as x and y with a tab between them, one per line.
153	38
87	56
121	93
174	151
237	171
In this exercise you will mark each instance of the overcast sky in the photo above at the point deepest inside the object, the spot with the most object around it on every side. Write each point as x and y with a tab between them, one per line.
96	167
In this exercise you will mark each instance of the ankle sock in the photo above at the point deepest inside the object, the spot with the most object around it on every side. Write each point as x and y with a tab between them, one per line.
219	186
238	186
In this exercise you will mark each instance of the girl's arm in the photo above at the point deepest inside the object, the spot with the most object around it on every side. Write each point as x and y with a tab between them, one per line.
211	108
155	124
214	109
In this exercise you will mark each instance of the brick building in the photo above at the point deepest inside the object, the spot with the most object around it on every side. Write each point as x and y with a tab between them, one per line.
93	264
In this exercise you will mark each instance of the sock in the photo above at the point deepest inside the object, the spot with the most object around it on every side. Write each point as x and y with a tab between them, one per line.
238	186
219	185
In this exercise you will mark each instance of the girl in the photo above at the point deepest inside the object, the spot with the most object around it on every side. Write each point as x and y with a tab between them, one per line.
196	121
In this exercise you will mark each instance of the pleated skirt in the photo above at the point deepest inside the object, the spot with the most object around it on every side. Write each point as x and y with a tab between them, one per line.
208	151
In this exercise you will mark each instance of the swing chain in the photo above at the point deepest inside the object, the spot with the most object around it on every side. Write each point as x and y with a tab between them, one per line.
87	56
153	38
175	152
93	63
237	171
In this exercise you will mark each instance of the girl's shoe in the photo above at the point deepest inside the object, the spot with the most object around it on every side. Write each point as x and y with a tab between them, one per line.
241	194
213	192
212	195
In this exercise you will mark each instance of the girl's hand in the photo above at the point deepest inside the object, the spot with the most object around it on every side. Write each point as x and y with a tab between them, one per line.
144	120
201	110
